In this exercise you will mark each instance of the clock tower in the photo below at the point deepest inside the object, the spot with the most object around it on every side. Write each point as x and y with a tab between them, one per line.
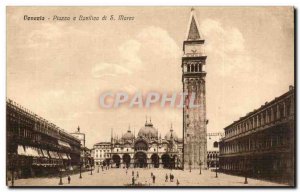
193	79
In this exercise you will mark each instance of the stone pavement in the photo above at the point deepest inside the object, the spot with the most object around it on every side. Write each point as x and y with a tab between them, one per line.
118	177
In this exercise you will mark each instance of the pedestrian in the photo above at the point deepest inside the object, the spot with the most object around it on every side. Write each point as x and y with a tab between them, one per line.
153	178
137	174
69	179
166	178
171	177
102	167
132	173
133	181
177	182
126	171
151	174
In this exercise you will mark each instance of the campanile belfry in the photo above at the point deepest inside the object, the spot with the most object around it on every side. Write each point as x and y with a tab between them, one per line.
193	79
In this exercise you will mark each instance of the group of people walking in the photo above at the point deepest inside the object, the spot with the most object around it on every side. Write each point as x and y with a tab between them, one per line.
153	177
171	179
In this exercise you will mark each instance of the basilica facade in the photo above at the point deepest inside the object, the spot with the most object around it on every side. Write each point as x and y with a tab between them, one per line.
147	149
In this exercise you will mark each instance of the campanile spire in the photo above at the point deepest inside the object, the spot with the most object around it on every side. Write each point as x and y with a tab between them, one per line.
193	30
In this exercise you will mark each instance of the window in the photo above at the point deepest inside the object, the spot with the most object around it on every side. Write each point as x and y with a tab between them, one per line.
216	144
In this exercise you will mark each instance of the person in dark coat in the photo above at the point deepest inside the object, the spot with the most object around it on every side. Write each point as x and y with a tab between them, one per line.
132	173
166	178
69	179
177	182
153	178
133	181
137	174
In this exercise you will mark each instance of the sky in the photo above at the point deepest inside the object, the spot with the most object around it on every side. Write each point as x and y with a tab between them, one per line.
59	69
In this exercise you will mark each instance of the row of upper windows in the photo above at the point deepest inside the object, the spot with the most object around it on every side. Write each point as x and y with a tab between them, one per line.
104	151
254	144
278	111
104	155
102	146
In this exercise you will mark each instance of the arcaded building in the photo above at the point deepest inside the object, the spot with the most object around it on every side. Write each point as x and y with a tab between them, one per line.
261	144
147	149
35	146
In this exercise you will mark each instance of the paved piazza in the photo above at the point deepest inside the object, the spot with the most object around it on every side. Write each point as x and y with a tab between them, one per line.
118	177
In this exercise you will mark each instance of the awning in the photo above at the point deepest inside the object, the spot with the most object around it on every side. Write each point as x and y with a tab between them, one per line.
21	150
46	153
30	151
64	144
53	155
64	156
40	153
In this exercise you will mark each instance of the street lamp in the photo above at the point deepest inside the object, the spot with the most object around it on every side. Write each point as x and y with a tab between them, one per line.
190	165
216	169
14	159
80	165
12	177
200	163
60	177
246	167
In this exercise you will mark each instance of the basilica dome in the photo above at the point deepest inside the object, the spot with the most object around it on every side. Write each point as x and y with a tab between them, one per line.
171	135
128	135
148	131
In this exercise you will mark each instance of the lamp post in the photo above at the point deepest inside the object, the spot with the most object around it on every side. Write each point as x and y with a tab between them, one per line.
246	170
12	177
190	165
80	165
91	170
200	163
14	160
216	169
60	177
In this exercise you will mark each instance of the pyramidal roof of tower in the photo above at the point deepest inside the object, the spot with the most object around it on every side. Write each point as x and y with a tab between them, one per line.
193	32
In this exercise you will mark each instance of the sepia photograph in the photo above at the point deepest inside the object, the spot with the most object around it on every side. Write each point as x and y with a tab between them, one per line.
150	96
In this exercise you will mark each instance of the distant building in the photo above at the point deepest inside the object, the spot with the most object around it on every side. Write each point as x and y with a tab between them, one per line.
261	144
80	136
101	152
85	154
147	149
36	147
213	152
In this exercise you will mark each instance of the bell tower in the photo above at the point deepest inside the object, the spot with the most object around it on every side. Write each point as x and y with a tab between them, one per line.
193	79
